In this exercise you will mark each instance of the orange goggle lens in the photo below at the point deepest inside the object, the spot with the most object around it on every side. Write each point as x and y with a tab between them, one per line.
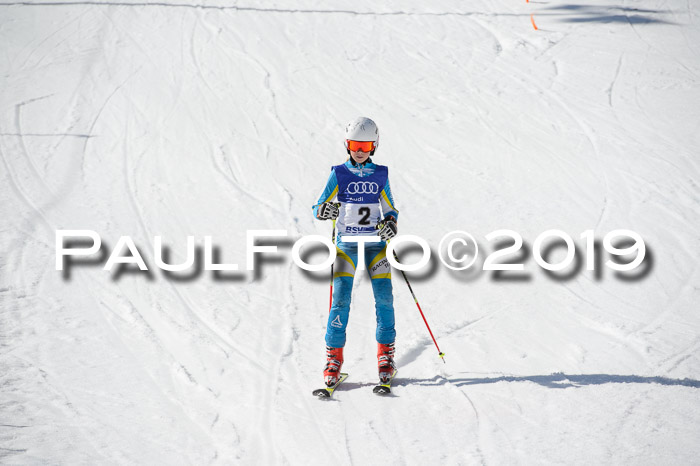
364	146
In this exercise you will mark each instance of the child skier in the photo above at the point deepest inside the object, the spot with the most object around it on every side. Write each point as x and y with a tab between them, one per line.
366	209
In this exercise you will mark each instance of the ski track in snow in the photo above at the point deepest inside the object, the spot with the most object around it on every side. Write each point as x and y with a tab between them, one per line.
183	119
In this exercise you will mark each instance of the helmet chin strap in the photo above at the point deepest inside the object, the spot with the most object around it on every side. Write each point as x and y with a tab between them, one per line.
354	163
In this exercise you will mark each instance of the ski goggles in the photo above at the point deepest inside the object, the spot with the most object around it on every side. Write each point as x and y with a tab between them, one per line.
364	146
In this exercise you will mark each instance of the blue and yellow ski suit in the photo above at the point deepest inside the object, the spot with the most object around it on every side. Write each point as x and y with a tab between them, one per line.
365	199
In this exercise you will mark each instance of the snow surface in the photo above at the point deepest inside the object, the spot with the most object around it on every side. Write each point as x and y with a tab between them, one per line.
174	119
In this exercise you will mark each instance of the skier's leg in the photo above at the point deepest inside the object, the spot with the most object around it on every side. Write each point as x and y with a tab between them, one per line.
380	274
340	311
384	307
343	277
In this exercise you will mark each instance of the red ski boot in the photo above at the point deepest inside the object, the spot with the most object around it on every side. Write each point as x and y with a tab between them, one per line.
334	361
385	361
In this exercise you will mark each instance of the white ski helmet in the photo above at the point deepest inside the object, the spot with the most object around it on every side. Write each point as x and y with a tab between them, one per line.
362	129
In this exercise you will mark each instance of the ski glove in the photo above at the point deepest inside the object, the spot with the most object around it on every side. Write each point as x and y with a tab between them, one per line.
387	228
328	211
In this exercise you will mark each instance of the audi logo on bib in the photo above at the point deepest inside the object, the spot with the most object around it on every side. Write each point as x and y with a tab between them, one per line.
362	187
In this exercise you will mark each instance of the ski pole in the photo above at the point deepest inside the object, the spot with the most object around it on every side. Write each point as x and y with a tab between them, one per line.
440	353
330	304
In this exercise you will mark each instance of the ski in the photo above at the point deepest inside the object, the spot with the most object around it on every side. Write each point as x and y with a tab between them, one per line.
327	392
385	388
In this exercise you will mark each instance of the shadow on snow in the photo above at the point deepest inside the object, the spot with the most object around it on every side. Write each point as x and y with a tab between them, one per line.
556	380
611	14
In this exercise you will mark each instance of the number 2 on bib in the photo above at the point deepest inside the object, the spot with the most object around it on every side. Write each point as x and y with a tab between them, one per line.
364	212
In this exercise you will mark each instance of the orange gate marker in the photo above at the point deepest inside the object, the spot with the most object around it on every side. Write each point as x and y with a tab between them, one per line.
532	20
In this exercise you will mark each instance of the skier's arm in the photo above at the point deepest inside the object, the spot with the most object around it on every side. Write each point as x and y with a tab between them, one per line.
387	202
328	194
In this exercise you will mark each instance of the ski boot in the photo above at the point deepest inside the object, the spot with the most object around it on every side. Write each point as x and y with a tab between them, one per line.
385	361
334	361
